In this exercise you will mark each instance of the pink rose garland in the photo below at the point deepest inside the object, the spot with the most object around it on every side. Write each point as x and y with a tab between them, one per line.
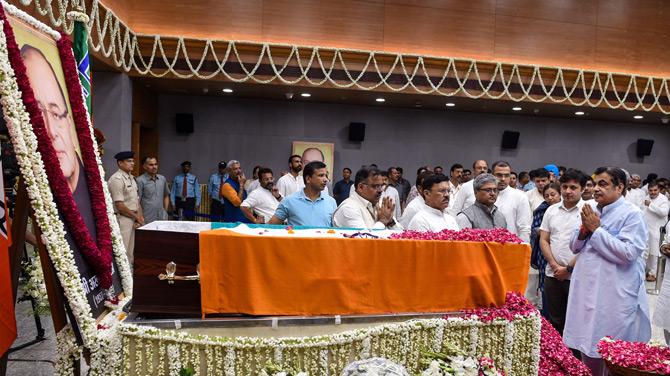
636	355
498	235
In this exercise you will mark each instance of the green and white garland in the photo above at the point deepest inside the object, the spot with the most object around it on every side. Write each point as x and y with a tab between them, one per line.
514	345
46	212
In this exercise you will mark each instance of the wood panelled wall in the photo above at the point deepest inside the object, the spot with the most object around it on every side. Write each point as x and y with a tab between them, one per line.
626	36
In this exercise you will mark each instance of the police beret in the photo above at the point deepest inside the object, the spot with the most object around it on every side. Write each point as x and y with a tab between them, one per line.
122	155
185	163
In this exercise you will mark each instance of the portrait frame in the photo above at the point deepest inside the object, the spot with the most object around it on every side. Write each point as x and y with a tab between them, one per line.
327	150
56	210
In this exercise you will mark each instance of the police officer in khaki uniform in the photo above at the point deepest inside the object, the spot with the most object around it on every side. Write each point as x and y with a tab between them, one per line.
123	188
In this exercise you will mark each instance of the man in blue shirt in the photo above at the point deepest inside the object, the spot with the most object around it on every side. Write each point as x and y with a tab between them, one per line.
214	189
185	194
309	206
342	187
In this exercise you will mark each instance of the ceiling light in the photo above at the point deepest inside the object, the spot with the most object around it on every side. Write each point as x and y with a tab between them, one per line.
516	108
451	104
638	117
305	95
579	113
380	100
227	90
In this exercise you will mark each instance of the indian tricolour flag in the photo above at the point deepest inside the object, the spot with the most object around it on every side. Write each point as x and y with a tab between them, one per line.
7	319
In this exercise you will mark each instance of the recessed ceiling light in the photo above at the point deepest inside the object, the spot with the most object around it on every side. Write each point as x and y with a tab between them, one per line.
227	90
380	100
306	95
516	108
579	113
638	117
451	104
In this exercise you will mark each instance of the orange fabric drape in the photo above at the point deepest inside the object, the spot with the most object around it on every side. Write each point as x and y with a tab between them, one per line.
263	275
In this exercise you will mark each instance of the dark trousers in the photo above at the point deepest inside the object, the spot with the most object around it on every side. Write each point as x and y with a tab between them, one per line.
556	294
187	207
216	211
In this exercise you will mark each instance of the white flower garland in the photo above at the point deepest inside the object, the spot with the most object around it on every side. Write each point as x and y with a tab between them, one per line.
115	40
401	342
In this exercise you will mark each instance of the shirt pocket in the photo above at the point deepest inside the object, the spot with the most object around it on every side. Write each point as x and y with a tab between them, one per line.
191	180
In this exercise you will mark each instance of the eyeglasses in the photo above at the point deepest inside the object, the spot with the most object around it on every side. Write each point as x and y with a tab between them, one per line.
488	190
52	115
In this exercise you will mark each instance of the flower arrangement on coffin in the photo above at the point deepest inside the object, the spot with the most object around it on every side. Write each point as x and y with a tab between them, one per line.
454	361
498	235
272	369
555	358
634	358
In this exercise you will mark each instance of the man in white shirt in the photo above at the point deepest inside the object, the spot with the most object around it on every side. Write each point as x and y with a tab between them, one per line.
362	209
466	195
414	206
655	208
512	203
433	215
261	203
559	223
535	197
291	182
392	193
455	176
635	194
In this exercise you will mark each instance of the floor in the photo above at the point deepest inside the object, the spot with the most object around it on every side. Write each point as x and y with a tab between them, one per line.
37	360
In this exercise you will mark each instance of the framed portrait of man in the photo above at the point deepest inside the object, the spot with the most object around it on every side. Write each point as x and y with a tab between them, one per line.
43	66
316	151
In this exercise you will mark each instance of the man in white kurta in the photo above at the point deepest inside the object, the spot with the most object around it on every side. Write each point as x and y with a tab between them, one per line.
535	196
607	292
392	193
362	209
655	207
433	215
293	181
261	204
662	311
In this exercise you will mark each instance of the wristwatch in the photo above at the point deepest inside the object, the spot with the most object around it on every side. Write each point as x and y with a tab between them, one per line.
570	268
391	223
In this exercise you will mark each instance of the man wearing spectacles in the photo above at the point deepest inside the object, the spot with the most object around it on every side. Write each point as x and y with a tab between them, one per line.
483	213
433	214
363	209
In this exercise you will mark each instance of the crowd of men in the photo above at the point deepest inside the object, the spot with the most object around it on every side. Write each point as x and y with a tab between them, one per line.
595	237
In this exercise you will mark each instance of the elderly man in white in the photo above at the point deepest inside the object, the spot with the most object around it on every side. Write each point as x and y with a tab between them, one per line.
362	209
433	215
655	208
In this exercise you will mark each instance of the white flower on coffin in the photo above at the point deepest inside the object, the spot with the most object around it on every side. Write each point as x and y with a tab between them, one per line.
374	367
433	369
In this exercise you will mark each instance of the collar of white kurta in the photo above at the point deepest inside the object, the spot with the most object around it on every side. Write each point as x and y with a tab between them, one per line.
578	206
432	210
611	206
365	204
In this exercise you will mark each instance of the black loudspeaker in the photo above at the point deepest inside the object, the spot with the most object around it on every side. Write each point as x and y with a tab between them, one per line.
184	123
356	132
644	147
510	139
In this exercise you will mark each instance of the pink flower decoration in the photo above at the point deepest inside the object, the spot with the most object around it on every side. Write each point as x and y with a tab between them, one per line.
636	355
499	235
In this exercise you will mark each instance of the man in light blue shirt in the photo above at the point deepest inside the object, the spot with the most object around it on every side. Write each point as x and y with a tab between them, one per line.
214	188
185	194
607	293
310	206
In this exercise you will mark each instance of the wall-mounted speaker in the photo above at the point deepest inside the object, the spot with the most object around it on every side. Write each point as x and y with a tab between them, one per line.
184	123
356	132
510	140
644	147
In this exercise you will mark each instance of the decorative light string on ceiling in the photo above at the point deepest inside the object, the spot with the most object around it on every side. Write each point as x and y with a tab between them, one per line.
404	72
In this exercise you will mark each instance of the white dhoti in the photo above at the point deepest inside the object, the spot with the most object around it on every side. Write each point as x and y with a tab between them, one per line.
662	311
126	225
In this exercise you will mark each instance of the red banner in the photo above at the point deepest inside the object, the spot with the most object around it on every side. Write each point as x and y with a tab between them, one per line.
7	319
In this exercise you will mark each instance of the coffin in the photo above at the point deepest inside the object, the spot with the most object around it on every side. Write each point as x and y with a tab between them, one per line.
156	245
